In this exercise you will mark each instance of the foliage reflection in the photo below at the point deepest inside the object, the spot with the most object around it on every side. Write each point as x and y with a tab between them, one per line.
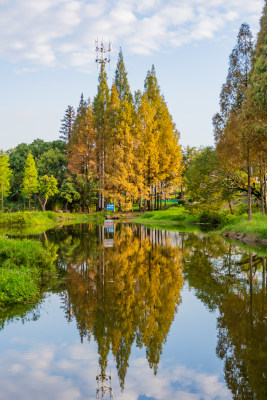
123	294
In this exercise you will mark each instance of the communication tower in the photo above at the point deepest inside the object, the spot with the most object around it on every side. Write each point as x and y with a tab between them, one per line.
104	386
102	52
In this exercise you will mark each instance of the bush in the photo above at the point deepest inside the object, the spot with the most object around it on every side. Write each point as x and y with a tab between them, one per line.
210	217
24	266
242	209
17	285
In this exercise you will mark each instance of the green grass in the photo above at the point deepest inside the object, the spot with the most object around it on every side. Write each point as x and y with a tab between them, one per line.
44	218
172	214
257	226
24	267
224	221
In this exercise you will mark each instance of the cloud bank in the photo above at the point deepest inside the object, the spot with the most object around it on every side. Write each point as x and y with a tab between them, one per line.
62	32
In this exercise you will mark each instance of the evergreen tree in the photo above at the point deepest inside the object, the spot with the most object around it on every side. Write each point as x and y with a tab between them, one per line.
80	114
67	124
259	69
233	91
30	181
121	80
256	104
99	106
5	176
233	130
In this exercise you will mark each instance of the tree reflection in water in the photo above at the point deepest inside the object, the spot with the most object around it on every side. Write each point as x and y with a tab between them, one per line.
235	283
123	294
128	295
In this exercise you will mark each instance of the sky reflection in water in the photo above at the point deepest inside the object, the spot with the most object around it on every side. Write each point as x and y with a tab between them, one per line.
138	315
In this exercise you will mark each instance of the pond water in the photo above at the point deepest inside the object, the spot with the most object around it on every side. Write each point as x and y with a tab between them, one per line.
140	314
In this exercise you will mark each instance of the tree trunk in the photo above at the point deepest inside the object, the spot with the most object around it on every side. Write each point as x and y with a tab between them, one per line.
265	188
43	203
249	191
182	193
231	208
30	203
2	196
262	193
151	197
140	201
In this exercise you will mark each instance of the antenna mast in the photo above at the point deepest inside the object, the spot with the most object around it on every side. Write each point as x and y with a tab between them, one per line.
102	52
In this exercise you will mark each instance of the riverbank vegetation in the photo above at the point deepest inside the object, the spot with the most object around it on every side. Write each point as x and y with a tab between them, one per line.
46	219
26	266
221	221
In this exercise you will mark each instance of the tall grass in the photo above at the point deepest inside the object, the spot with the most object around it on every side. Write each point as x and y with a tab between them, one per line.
24	266
257	226
172	214
37	218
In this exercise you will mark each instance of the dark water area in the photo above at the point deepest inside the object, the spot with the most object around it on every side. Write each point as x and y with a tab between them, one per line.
140	314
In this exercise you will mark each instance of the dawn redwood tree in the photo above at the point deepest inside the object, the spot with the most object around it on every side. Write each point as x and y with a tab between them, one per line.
99	106
121	80
80	114
5	176
30	180
165	156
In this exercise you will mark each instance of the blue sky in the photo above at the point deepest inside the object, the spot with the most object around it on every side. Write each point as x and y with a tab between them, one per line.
47	57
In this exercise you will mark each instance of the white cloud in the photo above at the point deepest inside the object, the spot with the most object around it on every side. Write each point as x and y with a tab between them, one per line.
68	372
60	32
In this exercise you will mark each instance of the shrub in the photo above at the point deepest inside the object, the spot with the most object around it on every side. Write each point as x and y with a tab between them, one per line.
24	266
210	217
17	285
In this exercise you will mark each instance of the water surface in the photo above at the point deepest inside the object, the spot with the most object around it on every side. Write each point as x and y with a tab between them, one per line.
140	314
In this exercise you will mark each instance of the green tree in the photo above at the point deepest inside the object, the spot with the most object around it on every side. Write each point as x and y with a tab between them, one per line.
52	162
67	124
259	67
47	188
30	180
17	160
233	130
69	192
203	181
5	176
233	91
256	104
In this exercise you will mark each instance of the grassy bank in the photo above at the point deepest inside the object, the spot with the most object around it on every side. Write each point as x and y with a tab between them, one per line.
25	266
220	221
173	215
257	227
44	218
